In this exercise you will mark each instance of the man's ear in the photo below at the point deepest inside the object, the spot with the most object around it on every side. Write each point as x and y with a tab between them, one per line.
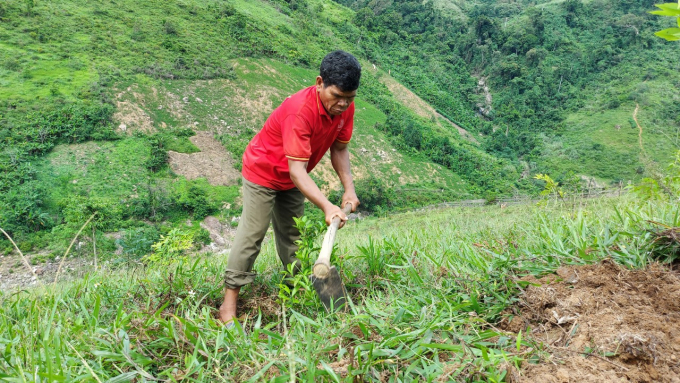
319	84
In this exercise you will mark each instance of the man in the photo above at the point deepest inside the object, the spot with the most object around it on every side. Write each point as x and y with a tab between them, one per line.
276	164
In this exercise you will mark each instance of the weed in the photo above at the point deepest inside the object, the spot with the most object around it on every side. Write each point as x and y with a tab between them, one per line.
137	242
171	247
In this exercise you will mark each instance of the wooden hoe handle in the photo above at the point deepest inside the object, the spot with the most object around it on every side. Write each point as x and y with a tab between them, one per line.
322	266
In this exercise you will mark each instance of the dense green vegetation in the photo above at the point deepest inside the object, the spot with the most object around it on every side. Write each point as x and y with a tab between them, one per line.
543	61
63	65
564	79
424	287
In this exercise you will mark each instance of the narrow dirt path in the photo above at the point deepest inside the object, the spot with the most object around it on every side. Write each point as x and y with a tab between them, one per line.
635	112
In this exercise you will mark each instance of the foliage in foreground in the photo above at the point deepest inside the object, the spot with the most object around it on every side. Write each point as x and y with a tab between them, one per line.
424	287
672	10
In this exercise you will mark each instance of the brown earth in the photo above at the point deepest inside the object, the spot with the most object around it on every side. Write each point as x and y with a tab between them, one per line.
129	114
213	162
602	323
15	275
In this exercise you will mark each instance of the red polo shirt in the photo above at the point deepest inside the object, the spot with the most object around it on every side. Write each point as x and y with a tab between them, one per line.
300	129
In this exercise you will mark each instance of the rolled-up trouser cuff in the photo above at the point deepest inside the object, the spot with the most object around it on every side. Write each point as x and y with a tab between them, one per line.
234	278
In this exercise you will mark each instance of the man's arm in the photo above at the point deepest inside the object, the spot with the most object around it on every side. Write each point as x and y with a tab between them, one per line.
340	161
302	180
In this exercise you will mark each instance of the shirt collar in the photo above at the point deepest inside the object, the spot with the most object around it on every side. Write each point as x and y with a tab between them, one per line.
320	107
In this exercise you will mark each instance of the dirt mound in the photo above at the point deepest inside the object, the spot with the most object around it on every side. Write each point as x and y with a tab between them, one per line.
603	323
213	162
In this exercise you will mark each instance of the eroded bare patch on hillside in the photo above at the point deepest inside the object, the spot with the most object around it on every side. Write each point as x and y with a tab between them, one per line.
418	106
408	98
253	104
130	116
213	162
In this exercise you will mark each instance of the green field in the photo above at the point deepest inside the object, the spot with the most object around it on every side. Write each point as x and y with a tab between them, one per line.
133	116
426	289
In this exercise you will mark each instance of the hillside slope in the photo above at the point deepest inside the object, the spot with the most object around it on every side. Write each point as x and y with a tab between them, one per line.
561	75
467	98
171	93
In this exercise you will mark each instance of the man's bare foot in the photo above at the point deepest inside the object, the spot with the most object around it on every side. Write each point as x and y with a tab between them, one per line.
228	308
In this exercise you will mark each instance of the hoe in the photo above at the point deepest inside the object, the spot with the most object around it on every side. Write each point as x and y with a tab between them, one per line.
326	278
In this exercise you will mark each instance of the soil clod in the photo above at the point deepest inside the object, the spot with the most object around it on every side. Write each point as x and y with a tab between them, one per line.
603	323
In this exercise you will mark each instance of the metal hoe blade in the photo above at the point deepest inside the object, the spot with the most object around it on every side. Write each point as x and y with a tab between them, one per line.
331	291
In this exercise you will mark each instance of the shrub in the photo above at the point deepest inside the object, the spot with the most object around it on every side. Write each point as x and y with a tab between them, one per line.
137	33
171	247
169	27
374	194
158	154
137	242
77	209
201	237
11	64
194	200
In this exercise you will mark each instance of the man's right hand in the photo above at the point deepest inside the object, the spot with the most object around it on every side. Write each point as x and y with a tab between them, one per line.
335	211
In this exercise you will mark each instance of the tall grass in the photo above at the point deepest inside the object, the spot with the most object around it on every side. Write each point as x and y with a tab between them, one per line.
426	289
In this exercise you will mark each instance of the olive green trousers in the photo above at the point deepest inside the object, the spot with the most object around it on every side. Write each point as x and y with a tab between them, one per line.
262	205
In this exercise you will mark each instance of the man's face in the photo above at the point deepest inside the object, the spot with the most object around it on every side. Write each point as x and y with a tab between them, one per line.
333	99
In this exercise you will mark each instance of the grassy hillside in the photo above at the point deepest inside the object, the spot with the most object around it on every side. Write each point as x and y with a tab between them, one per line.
133	75
428	290
536	73
172	91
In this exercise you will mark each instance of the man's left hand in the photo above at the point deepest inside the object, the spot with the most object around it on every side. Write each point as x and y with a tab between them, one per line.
350	197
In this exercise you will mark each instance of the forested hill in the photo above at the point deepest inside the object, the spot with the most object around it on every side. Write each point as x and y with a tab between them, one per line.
101	100
563	77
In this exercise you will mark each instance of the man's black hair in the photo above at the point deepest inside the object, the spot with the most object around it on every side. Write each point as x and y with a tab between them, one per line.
341	69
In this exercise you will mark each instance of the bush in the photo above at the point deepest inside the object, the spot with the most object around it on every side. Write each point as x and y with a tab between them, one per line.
158	154
137	242
194	200
11	64
76	210
171	247
169	27
374	194
201	237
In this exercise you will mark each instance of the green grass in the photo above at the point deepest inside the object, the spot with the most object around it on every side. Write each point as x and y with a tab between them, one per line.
423	287
592	144
112	170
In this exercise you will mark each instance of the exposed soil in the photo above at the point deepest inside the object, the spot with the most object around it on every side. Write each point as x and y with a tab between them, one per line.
221	235
635	112
129	115
14	274
213	162
408	98
464	133
603	323
254	105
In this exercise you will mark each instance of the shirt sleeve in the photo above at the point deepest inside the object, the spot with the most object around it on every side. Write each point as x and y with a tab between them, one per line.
345	134
296	133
